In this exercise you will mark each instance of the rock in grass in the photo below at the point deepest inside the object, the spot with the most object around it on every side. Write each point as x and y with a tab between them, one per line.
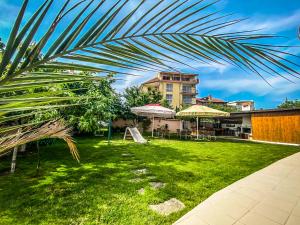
157	185
141	191
140	171
151	178
136	180
126	155
168	207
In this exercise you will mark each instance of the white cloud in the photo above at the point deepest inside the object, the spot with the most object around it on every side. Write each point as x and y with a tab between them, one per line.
270	23
254	86
128	80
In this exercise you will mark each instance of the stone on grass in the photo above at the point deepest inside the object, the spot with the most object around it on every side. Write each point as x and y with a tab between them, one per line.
126	154
157	185
141	191
136	180
151	178
168	207
140	171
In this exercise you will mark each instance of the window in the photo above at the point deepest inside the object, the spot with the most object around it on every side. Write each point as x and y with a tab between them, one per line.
169	87
187	100
185	79
176	78
187	89
166	78
169	98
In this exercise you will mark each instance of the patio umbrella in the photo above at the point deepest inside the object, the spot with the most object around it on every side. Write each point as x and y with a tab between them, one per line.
152	111
202	112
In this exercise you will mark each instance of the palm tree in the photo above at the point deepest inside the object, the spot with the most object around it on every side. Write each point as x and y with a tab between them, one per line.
137	35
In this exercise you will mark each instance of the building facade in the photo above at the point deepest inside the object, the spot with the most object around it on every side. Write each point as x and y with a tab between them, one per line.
243	106
179	89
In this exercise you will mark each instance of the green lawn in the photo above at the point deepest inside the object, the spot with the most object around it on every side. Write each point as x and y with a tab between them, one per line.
98	191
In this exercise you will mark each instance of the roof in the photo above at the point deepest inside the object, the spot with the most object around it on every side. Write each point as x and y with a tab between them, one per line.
210	99
178	73
241	101
201	111
153	80
266	111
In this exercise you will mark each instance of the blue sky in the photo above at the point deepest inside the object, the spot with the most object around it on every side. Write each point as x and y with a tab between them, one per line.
280	17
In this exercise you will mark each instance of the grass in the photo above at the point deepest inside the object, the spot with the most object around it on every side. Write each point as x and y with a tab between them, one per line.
98	191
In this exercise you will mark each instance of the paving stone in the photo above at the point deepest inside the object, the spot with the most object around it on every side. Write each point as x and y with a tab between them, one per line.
136	180
168	207
140	171
270	196
126	154
157	185
151	177
293	220
141	191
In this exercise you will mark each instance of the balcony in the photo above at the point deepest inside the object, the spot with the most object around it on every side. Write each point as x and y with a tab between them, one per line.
190	81
180	80
188	92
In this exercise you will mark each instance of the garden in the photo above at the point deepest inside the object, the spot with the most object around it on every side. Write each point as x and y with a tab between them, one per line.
116	183
59	65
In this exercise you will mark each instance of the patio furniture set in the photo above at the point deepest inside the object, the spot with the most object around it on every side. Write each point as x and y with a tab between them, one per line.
196	111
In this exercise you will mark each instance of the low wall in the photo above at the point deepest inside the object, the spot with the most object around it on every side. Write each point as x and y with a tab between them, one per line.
173	124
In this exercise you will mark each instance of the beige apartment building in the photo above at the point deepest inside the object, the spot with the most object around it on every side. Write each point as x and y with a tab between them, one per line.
179	89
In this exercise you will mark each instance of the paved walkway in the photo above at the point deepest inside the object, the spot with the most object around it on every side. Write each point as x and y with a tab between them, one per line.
270	196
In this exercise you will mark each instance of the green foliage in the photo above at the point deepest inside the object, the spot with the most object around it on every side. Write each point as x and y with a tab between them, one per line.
94	102
225	108
289	104
96	106
98	191
134	96
164	102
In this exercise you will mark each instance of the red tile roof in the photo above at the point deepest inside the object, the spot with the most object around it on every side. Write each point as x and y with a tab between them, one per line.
210	99
151	81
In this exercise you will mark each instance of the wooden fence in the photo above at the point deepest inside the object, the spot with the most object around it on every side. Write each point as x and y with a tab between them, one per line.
276	126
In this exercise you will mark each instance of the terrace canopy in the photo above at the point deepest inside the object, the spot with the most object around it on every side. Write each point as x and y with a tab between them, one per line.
201	111
152	111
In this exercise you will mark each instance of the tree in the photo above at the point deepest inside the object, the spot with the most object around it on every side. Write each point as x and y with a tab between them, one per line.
165	103
222	107
96	106
134	96
289	104
146	37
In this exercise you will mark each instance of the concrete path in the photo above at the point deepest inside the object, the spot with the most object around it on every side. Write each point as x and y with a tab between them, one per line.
270	196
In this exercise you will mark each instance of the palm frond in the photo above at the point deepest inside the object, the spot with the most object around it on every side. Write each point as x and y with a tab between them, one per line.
102	40
53	129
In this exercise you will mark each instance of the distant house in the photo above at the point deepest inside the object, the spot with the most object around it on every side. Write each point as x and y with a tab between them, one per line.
247	105
210	99
178	89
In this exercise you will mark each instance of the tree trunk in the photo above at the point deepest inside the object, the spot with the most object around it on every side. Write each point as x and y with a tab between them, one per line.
14	157
23	148
14	160
38	159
